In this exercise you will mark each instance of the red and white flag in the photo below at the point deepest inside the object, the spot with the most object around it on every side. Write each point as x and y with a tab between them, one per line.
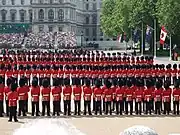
163	35
119	38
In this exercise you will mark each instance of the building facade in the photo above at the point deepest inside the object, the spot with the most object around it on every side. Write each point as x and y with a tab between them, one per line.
79	16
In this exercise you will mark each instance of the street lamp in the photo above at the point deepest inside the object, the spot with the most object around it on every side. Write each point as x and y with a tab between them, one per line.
81	38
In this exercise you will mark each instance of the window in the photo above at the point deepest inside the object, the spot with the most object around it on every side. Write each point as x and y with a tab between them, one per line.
30	15
61	15
87	20
60	29
12	17
50	28
51	1
94	6
101	33
40	1
22	16
51	15
41	15
12	2
87	32
94	32
3	2
22	2
60	1
87	6
31	2
3	14
41	28
94	19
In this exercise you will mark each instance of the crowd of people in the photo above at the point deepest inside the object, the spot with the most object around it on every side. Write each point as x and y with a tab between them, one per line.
11	40
113	83
45	40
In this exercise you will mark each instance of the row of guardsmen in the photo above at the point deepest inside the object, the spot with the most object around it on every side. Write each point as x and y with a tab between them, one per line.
145	99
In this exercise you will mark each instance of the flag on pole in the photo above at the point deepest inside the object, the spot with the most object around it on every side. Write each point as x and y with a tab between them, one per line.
119	38
148	34
163	35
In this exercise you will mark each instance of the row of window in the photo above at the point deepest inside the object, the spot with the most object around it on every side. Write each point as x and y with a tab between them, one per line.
94	6
13	2
51	28
94	19
50	1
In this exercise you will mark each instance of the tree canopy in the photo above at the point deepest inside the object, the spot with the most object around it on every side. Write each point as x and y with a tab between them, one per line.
119	16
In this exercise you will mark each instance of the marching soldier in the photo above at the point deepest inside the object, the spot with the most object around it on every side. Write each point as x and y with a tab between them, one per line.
7	89
98	97
21	97
67	92
138	97
56	93
87	97
12	98
35	93
129	97
41	74
119	97
148	95
108	93
166	96
158	97
176	97
45	92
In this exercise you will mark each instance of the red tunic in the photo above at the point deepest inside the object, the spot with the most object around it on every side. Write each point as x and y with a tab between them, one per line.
77	93
87	93
9	73
12	98
21	72
45	92
15	73
108	94
35	93
56	93
6	91
120	91
129	94
41	73
158	94
48	73
176	94
148	94
1	92
139	94
21	93
67	91
166	95
98	94
28	73
2	73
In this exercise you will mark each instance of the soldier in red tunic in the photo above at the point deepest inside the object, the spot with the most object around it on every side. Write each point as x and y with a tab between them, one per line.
158	97
6	91
129	97
12	98
120	91
1	96
148	95
35	93
45	92
98	97
108	94
56	93
77	91
21	97
87	97
176	97
41	74
166	96
67	92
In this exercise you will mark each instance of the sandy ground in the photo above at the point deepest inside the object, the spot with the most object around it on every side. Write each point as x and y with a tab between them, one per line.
107	125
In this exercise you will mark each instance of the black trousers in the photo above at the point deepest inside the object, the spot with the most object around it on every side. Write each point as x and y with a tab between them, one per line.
1	108
7	108
94	104
166	107
22	106
13	111
174	79
26	105
56	107
67	107
98	107
130	103
138	107
176	107
108	108
119	107
152	105
77	106
148	106
35	106
158	107
104	105
114	104
46	105
87	104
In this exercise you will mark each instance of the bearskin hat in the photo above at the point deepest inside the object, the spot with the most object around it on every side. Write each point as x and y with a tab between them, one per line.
66	81
120	83
176	85
34	82
14	87
175	66
87	82
128	83
34	67
22	82
98	83
55	82
45	83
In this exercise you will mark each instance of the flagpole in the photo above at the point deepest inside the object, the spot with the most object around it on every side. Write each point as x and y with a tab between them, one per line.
155	38
170	48
142	40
